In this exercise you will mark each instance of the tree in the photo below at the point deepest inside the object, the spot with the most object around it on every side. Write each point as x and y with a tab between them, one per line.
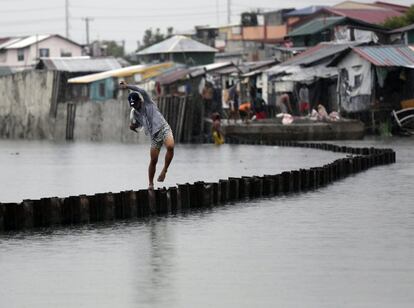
113	49
151	38
401	21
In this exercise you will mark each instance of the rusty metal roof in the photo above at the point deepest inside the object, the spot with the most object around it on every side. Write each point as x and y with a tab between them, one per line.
401	55
372	16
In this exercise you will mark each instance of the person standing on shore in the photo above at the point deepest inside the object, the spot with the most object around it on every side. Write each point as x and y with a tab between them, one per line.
144	113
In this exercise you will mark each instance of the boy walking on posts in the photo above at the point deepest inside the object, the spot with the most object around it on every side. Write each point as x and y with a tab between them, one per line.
144	113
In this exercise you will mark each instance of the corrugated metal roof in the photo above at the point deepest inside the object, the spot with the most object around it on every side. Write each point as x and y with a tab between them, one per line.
79	64
396	7
177	44
315	26
402	29
173	76
305	11
9	41
146	70
27	41
22	42
356	5
372	16
318	53
202	69
387	55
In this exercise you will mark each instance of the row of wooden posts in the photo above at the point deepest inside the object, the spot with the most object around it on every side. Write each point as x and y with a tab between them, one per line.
143	203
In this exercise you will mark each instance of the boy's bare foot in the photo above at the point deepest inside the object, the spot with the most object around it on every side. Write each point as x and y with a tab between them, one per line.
162	176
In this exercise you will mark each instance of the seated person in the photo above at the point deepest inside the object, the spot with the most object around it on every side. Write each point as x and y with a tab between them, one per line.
245	111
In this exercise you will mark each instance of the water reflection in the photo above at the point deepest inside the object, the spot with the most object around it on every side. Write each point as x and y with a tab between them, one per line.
161	257
345	245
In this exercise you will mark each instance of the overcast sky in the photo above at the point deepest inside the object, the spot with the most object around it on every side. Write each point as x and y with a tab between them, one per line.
128	19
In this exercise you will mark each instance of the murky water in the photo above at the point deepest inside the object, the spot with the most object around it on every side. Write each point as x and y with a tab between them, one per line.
350	244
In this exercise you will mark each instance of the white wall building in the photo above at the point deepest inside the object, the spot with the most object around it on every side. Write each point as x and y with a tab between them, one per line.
24	52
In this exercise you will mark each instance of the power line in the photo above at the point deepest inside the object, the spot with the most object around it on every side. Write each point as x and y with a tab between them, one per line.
30	10
30	21
168	9
153	16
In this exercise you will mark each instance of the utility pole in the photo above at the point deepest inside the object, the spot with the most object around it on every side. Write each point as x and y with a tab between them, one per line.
229	12
67	17
87	20
217	12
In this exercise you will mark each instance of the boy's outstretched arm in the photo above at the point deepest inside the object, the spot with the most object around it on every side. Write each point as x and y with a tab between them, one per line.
124	85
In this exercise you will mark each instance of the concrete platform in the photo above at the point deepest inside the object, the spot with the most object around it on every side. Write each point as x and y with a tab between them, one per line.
273	129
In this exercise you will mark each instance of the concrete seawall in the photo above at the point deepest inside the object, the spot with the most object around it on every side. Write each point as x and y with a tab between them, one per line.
26	99
109	206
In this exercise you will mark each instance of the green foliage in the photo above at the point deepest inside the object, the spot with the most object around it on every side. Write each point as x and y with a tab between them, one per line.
395	22
401	21
151	38
113	49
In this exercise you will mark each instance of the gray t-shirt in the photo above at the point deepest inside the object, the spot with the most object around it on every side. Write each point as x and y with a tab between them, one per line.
148	116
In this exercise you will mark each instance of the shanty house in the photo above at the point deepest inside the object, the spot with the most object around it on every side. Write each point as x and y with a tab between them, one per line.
66	68
24	52
373	80
103	86
180	49
326	29
309	69
404	35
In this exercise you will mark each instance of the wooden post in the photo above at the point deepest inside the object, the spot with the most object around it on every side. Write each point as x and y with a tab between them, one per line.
296	180
313	178
175	200
245	187
195	195
257	190
184	196
216	193
321	176
1	217
287	182
234	188
278	184
10	220
132	202
122	205
208	195
304	179
47	212
144	209
75	209
268	185
224	191
16	216
161	202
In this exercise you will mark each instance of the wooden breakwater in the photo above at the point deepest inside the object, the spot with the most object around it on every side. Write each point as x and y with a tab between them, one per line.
110	206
